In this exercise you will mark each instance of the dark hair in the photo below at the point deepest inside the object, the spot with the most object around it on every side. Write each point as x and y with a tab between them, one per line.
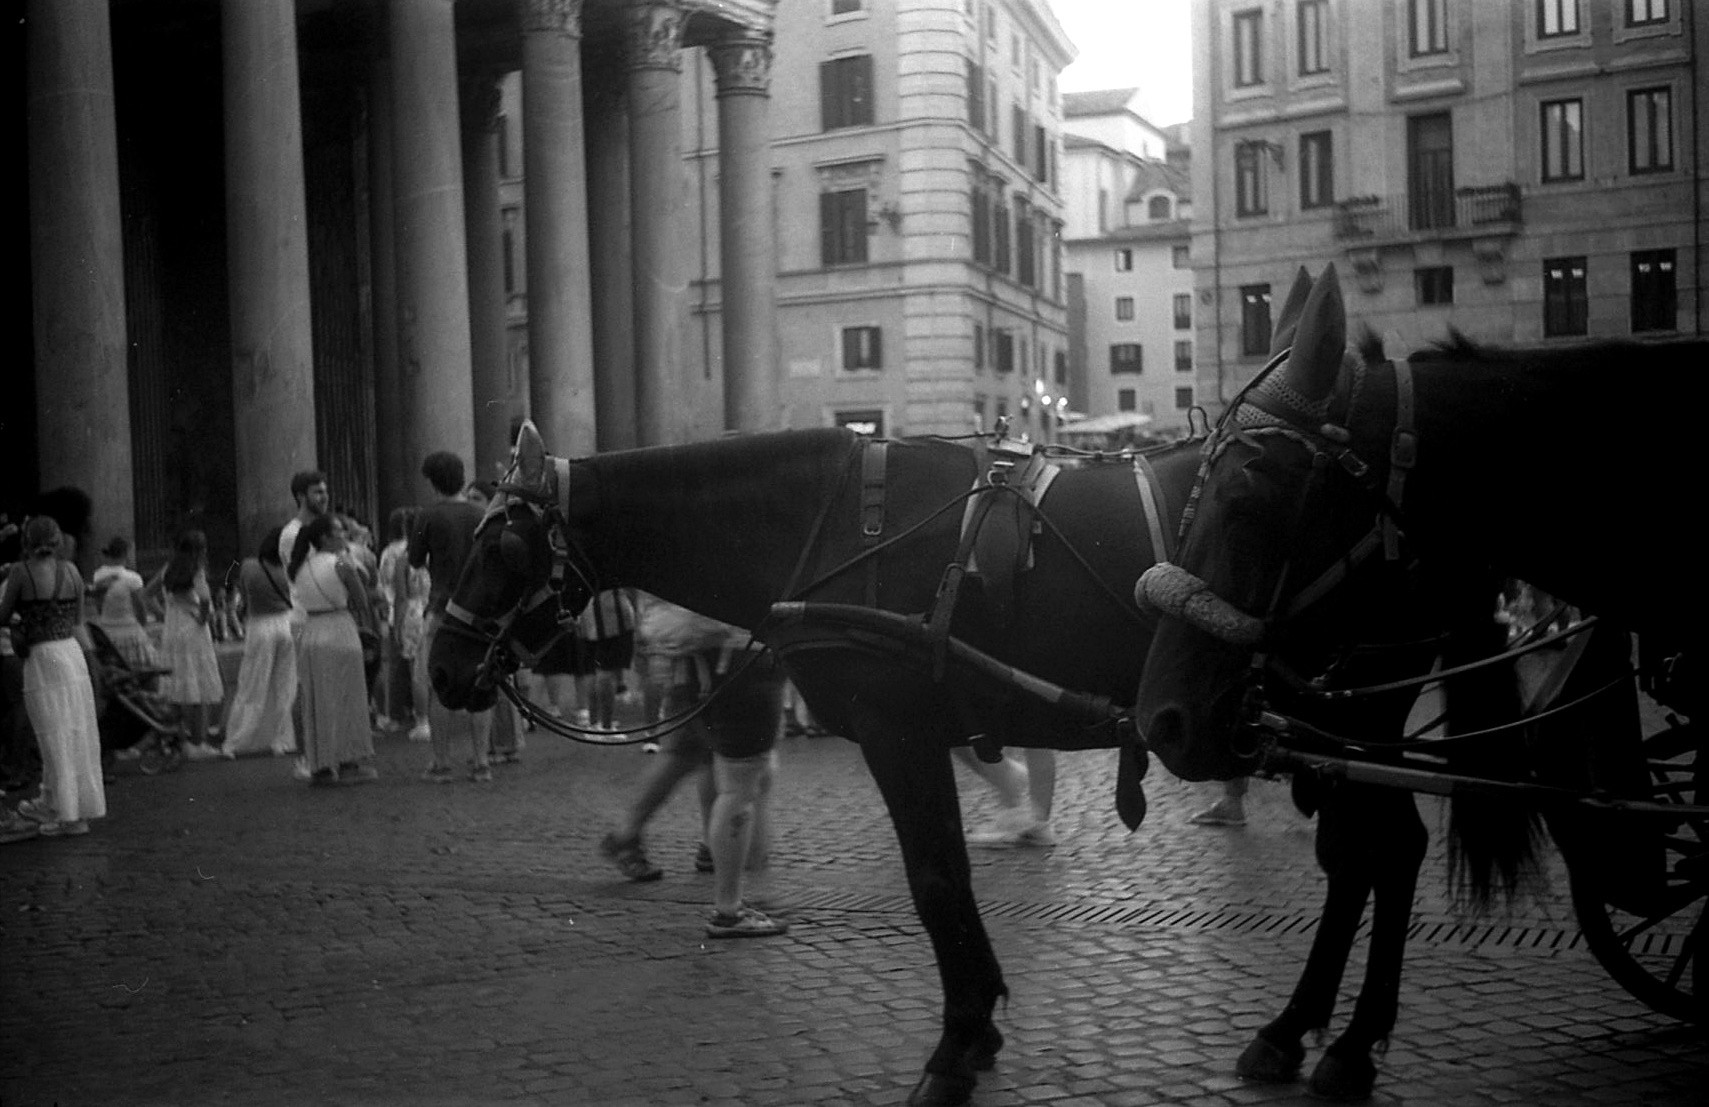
268	554
400	523
117	547
444	470
305	480
314	532
41	536
188	559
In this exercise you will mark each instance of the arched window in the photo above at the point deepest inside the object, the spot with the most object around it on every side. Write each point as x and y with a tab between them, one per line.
1157	208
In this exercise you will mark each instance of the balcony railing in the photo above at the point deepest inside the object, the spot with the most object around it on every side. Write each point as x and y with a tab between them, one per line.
1486	209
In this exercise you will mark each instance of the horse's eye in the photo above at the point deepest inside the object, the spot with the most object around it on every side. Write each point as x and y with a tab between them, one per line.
513	551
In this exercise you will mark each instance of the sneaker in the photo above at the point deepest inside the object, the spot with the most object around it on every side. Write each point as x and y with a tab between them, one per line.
300	771
703	859
481	774
583	718
439	774
388	725
130	753
649	747
199	751
630	859
68	829
16	828
421	732
1219	814
321	778
745	923
37	812
1010	826
357	774
508	757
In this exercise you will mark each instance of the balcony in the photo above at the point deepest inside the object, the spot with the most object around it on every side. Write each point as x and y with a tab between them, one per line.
1428	216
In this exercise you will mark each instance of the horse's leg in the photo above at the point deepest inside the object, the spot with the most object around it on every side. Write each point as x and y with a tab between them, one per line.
1346	1071
918	785
1275	1053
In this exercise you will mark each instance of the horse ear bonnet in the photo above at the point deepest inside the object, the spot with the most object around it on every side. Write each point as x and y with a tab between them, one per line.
1289	320
530	458
1319	346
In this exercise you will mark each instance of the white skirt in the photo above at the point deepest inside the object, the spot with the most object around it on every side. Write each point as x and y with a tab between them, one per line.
260	717
61	706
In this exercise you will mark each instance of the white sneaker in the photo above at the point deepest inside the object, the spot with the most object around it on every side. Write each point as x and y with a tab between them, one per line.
583	718
1010	826
300	771
421	732
199	751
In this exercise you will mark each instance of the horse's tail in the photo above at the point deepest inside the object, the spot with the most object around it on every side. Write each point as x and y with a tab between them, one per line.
1493	840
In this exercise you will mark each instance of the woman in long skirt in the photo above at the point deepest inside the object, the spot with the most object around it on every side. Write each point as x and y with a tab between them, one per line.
46	591
186	644
337	741
260	716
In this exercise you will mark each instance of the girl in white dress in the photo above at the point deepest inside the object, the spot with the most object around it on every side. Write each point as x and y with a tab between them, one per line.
187	646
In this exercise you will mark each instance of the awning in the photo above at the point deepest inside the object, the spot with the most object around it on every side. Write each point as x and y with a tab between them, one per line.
1106	424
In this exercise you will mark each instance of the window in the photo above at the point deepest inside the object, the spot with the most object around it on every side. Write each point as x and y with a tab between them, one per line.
1563	140
846	7
1255	320
1649	127
1566	304
991	22
1060	371
1430	170
506	158
1655	303
1427	27
1127	399
1435	284
509	217
1124	309
1183	399
1309	19
1041	155
842	227
1251	187
863	348
975	95
1126	357
1641	13
1004	342
978	346
1024	244
1183	304
1158	207
1248	48
1557	17
1018	118
1184	355
981	223
845	92
862	422
1124	260
1317	170
1181	257
1000	232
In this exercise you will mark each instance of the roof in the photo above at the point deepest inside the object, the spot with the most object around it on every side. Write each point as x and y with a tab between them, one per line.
1149	176
1108	101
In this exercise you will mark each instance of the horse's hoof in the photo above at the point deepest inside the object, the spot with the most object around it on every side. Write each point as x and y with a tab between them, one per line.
982	1054
1268	1063
937	1089
1343	1078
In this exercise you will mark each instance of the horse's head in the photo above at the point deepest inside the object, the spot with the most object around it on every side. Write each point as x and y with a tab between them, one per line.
523	579
1277	507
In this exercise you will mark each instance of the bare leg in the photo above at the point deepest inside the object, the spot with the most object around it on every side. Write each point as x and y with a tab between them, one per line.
730	830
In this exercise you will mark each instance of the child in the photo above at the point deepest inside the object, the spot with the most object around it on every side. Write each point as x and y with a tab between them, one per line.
187	646
404	597
118	590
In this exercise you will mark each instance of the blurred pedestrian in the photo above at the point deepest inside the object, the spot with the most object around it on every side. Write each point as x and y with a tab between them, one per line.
121	611
444	534
337	741
403	593
45	590
1229	809
1026	793
259	720
607	630
187	645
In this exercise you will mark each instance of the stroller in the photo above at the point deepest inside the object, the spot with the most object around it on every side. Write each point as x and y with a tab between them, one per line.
132	712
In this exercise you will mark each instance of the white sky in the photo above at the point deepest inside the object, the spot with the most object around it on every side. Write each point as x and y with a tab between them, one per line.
1144	44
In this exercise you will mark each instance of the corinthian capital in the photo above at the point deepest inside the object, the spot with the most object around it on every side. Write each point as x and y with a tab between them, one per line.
655	37
561	16
743	64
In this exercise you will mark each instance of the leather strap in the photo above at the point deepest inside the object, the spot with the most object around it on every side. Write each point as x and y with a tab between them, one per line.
1403	455
872	465
1151	499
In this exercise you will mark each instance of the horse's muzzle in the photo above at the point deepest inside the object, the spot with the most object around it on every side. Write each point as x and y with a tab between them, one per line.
1170	590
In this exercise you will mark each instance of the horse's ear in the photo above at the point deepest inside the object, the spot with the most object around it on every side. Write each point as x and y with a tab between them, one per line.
1320	342
1289	319
530	458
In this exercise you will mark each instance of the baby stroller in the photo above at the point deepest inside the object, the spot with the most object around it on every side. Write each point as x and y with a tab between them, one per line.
133	714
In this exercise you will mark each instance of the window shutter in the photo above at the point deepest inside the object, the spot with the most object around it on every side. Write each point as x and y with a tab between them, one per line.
827	95
860	90
877	334
827	228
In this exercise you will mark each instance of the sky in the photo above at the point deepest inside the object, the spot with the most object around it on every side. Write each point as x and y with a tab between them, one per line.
1144	44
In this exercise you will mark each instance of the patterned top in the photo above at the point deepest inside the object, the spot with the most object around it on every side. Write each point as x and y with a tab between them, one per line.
47	619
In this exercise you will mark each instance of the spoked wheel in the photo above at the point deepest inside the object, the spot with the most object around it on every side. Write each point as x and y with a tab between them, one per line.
162	754
1653	942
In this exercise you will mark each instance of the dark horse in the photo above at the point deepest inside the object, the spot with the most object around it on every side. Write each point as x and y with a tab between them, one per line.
1340	499
938	591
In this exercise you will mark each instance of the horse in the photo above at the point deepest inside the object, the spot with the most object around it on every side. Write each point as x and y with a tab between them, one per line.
1338	488
921	594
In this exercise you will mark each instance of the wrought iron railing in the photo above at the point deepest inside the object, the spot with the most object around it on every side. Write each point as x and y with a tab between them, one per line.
1485	208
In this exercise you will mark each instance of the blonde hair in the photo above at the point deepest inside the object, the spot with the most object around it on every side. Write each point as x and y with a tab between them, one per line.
42	536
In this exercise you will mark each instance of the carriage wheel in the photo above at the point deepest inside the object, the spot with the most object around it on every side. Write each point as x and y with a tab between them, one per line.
1656	950
154	756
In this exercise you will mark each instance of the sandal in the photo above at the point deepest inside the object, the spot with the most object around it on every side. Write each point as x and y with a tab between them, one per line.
745	923
630	859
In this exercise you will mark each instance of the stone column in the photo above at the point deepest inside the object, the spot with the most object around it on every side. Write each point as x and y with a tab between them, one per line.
560	327
655	195
613	294
267	260
83	423
485	230
747	255
432	254
393	446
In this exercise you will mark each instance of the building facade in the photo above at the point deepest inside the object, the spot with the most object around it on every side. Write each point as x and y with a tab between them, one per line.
1129	199
1525	171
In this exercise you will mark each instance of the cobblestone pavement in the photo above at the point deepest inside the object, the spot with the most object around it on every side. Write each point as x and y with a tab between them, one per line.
231	936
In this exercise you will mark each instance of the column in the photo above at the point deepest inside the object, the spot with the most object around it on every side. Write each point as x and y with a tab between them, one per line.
560	340
432	255
485	232
655	196
747	249
393	447
83	426
613	295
